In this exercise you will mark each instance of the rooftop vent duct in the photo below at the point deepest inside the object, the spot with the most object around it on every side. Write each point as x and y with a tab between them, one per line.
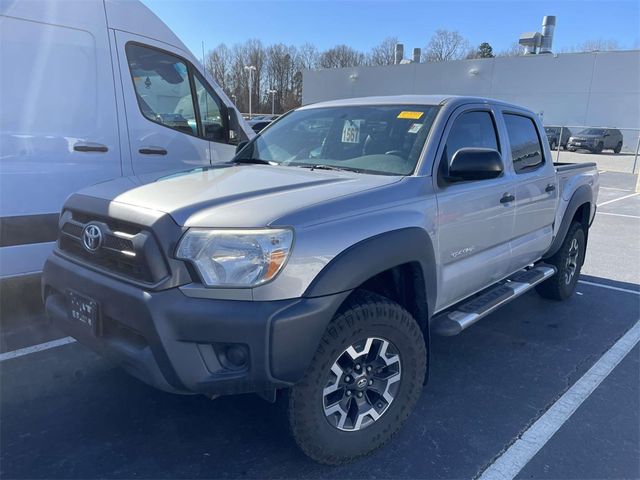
417	53
530	41
399	53
548	26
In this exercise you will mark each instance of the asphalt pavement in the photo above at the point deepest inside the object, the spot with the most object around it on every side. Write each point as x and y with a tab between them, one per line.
67	413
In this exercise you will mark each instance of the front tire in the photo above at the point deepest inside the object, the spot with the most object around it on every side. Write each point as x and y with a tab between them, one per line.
363	382
599	148
568	261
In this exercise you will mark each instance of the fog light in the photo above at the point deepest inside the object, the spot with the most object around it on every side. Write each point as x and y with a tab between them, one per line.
236	356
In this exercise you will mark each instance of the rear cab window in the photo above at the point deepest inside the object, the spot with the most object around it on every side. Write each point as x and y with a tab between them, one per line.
526	147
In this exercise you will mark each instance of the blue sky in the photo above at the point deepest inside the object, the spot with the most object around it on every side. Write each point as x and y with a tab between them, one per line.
364	23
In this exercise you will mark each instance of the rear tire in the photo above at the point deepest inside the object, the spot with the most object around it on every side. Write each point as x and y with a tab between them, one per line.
568	261
336	413
618	148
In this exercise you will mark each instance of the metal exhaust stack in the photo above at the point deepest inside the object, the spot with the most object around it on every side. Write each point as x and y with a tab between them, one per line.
548	26
417	53
399	53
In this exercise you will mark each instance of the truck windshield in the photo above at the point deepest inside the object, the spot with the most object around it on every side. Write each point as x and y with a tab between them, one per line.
378	139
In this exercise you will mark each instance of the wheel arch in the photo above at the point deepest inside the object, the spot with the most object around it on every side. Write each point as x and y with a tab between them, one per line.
579	209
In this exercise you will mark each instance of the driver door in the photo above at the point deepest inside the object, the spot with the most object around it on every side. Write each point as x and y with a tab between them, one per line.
159	98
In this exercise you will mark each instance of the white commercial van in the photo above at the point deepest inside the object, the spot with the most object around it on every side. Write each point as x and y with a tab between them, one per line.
91	90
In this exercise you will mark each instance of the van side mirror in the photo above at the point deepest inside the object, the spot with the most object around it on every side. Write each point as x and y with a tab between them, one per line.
241	145
475	164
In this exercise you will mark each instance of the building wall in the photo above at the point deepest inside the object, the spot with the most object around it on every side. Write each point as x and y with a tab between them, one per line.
595	89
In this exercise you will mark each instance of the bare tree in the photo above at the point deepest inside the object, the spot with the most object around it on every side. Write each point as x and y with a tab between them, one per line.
308	56
341	56
514	50
594	45
218	64
446	45
384	53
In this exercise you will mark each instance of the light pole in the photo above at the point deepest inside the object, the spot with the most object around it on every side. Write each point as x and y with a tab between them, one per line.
250	69
273	100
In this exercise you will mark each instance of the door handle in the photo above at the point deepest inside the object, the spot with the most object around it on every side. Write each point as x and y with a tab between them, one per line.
90	147
152	151
507	197
550	188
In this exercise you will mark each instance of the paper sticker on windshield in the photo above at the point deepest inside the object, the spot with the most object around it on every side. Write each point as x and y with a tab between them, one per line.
351	131
415	128
410	115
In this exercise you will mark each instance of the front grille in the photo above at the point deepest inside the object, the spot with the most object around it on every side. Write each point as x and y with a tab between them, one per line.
126	250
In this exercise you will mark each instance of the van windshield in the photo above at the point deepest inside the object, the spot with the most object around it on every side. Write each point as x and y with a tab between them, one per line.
378	139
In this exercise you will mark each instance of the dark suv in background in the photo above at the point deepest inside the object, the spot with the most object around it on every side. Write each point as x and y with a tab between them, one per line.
596	139
554	136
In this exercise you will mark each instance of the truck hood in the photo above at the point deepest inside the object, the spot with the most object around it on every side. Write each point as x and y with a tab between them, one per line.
235	195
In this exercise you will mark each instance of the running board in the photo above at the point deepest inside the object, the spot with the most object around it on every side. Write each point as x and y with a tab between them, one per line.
462	316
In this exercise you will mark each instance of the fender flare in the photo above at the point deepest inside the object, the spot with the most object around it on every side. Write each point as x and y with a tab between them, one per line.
582	195
369	257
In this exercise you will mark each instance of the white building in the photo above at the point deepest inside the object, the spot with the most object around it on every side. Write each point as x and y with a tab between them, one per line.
591	89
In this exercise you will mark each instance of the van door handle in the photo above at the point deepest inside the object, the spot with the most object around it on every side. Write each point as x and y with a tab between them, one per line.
550	188
507	197
90	147
152	151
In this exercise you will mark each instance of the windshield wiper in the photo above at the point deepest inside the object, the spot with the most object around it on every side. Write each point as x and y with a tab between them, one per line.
257	161
324	166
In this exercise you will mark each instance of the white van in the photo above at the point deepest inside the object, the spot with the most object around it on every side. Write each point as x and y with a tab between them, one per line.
91	90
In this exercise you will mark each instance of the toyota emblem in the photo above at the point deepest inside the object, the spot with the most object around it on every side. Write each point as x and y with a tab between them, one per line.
91	237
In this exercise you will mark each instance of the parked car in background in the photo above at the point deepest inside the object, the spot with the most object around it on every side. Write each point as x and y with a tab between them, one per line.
93	90
553	135
596	140
323	257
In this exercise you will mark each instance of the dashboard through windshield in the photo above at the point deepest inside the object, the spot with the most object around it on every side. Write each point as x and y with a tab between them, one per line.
378	139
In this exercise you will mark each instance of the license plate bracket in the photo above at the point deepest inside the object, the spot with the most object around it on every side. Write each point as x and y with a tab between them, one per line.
83	309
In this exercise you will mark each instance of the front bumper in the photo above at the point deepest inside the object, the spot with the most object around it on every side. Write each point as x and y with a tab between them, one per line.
180	344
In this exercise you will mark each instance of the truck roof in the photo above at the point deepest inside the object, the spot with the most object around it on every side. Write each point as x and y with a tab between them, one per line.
409	100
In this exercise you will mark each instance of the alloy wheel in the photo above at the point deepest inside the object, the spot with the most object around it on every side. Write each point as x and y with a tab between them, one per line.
362	384
572	261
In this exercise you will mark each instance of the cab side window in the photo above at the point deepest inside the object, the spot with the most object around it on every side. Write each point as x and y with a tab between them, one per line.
163	85
474	129
211	116
526	149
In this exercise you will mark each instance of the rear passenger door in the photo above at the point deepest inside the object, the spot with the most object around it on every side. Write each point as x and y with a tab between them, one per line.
536	190
174	117
474	223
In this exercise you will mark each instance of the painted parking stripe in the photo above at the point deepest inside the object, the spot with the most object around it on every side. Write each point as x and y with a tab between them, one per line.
35	348
617	289
617	199
509	463
618	215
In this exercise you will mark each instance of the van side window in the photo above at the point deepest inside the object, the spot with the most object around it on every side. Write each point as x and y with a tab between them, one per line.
470	130
211	113
526	149
162	86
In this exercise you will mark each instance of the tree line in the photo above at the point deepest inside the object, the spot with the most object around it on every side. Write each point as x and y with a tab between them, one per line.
278	70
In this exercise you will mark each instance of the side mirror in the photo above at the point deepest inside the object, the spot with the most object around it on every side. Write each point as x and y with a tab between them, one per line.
241	145
475	164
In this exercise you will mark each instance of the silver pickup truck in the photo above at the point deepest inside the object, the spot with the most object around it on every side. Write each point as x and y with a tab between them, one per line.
323	257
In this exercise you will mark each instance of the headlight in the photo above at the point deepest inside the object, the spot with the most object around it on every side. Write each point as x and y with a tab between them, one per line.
236	258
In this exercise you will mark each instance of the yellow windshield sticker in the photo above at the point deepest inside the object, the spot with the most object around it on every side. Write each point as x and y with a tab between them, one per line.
410	115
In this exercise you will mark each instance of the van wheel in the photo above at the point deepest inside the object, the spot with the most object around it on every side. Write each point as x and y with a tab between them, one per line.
618	148
363	382
568	261
599	148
